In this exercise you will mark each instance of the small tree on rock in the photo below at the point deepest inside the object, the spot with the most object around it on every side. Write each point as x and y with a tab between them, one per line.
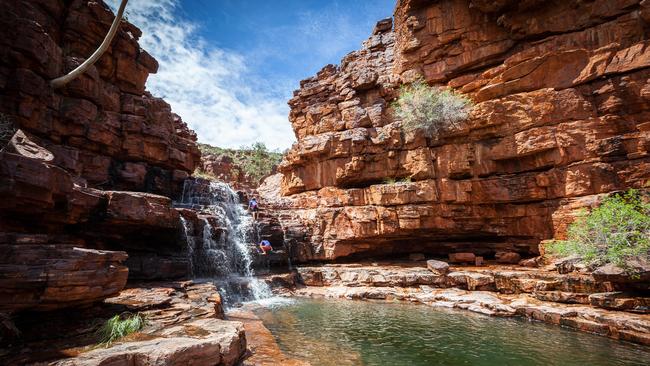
431	110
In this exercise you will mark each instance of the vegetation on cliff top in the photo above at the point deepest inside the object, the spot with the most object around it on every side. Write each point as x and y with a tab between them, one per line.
431	110
255	161
615	232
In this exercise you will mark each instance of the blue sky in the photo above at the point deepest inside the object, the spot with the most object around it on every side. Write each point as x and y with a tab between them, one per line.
228	67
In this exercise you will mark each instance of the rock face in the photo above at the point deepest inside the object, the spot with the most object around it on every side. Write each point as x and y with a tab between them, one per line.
40	275
223	168
560	120
87	178
103	127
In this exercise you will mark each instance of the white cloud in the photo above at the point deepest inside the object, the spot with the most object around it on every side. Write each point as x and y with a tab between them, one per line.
212	89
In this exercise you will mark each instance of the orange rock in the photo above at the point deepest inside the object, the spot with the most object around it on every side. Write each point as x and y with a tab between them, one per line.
561	100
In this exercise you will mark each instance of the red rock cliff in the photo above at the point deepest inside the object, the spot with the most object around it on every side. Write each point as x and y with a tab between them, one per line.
67	210
103	127
561	118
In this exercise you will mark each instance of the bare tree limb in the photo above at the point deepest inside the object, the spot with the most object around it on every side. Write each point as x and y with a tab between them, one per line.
61	81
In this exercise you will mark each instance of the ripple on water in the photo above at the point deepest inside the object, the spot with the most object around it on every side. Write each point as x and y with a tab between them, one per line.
340	332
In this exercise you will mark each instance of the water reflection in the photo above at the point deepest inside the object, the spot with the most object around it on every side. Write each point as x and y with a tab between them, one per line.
338	332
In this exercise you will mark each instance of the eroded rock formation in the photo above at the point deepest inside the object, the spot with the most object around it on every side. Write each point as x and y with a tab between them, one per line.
560	120
102	127
87	178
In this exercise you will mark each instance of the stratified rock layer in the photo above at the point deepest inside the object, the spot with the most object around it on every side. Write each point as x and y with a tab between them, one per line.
102	127
91	167
44	276
560	120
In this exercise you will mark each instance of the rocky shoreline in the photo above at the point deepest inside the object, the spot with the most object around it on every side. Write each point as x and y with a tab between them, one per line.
571	300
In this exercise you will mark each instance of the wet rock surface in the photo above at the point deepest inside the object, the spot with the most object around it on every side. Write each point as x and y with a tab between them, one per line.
262	346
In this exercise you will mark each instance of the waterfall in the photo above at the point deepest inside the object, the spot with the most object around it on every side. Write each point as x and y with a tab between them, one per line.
190	244
228	238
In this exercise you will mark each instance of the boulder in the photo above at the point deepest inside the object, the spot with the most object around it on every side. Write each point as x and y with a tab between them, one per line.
438	267
567	265
636	271
531	262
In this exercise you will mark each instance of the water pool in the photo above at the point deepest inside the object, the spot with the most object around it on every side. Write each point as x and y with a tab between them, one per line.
342	332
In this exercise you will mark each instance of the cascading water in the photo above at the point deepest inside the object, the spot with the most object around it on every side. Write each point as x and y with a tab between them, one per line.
226	259
190	244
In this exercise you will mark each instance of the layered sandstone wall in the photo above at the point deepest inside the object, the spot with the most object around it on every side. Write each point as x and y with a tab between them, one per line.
103	127
88	177
561	118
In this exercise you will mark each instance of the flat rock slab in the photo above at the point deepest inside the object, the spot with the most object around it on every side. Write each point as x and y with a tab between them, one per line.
143	298
202	342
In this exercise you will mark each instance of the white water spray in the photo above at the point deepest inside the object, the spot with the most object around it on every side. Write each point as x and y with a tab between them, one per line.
227	259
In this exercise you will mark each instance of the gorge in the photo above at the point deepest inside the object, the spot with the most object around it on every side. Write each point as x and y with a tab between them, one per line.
109	206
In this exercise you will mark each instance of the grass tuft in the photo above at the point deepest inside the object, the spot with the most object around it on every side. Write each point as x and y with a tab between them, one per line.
198	173
120	326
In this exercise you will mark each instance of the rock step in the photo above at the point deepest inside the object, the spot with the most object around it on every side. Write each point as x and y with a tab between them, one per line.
52	276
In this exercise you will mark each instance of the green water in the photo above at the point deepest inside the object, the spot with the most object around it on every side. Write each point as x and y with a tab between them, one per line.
341	332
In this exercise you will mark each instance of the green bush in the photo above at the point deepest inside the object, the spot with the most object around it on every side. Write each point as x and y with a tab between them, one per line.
431	110
616	231
120	326
255	161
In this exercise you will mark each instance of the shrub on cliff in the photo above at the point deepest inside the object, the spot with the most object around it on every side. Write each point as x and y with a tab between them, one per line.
615	232
431	110
7	130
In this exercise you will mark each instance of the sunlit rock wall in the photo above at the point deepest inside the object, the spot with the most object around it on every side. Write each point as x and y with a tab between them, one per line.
561	118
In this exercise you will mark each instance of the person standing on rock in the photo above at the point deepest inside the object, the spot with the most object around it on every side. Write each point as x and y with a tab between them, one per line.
252	206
